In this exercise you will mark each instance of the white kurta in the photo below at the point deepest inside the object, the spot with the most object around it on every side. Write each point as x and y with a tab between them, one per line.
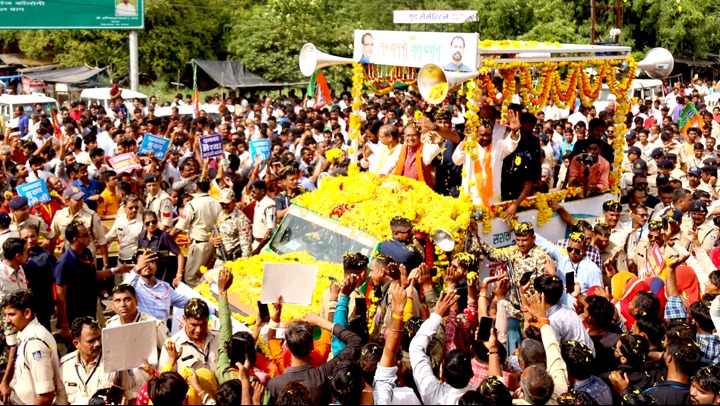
500	150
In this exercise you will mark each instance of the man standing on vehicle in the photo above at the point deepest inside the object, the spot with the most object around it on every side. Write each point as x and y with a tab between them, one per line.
23	122
264	217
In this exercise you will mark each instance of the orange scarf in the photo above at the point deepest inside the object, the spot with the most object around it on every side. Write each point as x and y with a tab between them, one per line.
484	186
418	162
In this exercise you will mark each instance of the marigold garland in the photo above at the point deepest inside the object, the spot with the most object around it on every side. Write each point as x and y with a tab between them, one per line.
368	202
357	91
248	275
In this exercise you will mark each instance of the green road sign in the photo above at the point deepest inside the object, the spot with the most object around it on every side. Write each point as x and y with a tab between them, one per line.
72	14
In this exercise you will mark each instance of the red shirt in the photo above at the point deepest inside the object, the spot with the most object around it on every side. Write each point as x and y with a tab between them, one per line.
47	210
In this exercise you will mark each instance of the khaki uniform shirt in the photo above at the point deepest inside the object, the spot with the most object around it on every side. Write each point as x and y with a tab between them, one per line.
132	380
235	230
618	234
63	218
37	367
81	382
36	221
162	206
192	356
264	218
199	217
707	234
126	233
644	250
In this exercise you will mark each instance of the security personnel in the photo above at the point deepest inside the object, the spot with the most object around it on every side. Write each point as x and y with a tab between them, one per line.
82	371
158	201
36	379
21	216
77	210
127	228
126	312
264	218
707	231
234	228
198	343
198	219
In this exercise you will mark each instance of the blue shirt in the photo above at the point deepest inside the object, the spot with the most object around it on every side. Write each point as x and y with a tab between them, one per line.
402	253
77	273
596	388
587	274
93	188
341	318
23	124
156	300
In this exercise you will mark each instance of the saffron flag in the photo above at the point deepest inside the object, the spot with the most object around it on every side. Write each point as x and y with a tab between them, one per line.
56	124
322	96
688	118
655	262
196	103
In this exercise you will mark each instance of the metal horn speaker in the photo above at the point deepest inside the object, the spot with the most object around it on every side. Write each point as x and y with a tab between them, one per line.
311	59
444	240
658	63
434	83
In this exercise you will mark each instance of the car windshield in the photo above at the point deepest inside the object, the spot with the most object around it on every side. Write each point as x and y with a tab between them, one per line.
29	108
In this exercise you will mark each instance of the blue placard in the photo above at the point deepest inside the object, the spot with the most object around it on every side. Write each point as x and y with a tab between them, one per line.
35	190
156	144
211	146
261	148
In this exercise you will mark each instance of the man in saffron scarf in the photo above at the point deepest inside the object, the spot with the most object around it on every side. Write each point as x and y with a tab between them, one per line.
483	170
415	156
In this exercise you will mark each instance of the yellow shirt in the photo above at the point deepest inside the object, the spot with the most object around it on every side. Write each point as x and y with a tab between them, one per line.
110	204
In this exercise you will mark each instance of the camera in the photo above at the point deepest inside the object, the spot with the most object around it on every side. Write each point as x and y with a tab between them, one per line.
587	159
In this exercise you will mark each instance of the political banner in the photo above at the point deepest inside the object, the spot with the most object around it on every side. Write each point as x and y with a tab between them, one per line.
211	146
260	150
434	16
34	191
78	15
655	262
125	162
457	52
158	145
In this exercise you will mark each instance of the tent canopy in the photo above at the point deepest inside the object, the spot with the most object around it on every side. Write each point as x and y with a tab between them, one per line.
228	74
77	74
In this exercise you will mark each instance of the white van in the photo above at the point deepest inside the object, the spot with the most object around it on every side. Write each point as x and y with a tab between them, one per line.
8	103
101	96
640	88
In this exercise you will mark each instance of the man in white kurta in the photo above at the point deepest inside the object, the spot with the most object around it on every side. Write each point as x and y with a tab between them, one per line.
498	150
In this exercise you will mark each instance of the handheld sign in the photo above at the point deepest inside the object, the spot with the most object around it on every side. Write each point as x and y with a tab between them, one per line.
295	282
155	144
260	150
128	346
125	162
34	191
211	146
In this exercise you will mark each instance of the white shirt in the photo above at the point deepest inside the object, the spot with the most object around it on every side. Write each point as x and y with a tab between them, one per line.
576	117
123	9
498	151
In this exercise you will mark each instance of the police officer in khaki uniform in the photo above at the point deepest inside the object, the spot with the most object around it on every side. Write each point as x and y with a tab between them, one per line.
126	312
82	371
198	219
199	343
77	210
21	216
36	378
127	228
159	202
707	231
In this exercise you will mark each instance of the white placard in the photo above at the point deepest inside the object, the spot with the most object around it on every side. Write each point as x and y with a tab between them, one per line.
295	282
128	346
450	50
434	16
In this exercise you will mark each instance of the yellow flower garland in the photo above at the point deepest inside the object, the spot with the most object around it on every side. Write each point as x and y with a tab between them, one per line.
357	90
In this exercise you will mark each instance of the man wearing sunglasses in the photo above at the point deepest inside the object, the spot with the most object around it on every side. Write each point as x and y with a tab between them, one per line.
660	232
401	248
706	230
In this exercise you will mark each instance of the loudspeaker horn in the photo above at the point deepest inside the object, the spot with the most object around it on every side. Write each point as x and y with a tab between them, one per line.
658	63
444	240
311	59
434	83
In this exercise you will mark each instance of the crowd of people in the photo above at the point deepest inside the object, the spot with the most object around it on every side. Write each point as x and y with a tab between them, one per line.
623	311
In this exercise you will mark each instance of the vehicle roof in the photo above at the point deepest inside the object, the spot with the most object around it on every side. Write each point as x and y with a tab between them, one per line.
103	93
26	98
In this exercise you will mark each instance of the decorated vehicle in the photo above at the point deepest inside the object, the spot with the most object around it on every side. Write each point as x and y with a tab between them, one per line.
353	212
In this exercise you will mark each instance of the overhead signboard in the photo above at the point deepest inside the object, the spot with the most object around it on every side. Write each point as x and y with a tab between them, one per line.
434	16
451	51
63	15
